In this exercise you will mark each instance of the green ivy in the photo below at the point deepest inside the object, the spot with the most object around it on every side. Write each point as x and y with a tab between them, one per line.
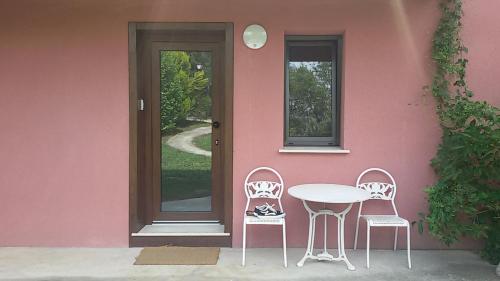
465	201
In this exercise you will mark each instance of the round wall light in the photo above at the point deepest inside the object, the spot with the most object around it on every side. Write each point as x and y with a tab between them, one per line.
254	36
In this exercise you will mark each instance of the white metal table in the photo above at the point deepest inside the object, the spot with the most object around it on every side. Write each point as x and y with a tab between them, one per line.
327	193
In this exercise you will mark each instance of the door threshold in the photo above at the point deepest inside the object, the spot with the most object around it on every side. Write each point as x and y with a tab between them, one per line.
187	222
181	229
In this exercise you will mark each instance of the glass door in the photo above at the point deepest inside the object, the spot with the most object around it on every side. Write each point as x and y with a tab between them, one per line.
186	131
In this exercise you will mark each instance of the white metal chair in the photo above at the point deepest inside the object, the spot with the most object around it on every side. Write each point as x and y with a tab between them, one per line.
381	191
263	189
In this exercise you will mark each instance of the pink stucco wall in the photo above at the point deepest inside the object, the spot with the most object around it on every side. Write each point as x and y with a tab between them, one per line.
64	107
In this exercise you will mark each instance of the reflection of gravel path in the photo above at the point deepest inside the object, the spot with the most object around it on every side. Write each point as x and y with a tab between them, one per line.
184	141
201	204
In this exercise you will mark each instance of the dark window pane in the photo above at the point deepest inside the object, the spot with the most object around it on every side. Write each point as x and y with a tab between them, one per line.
311	84
310	53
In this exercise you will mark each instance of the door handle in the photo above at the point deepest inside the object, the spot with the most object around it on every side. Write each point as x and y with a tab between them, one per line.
140	104
216	124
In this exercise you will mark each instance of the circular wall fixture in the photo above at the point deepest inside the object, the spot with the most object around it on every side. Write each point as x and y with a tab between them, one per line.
254	36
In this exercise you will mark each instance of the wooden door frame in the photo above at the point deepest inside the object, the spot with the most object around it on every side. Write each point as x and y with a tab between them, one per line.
136	216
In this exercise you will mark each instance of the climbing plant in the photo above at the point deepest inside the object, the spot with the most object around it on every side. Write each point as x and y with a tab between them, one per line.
465	200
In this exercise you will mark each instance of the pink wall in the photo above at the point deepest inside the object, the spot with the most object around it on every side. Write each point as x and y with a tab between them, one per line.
64	109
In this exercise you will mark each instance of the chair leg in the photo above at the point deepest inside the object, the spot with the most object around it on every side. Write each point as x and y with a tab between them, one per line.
244	243
395	238
284	245
408	245
356	235
367	245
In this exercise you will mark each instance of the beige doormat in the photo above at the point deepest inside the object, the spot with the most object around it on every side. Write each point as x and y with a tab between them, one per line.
172	255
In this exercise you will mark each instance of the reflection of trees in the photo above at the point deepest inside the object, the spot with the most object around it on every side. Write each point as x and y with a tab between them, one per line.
181	86
202	100
310	99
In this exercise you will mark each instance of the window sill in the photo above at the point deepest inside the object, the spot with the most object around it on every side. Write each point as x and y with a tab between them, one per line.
314	149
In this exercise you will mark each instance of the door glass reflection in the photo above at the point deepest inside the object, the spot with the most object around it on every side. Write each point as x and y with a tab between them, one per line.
185	113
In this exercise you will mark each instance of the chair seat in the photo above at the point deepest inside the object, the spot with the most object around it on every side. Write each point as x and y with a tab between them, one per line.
266	220
385	220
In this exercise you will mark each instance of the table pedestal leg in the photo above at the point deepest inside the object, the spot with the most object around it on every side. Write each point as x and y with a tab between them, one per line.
341	227
325	255
312	229
310	239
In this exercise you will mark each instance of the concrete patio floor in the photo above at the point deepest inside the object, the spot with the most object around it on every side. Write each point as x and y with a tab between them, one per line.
262	264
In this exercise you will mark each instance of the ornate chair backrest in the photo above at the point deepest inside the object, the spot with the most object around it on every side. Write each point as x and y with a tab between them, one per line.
264	189
379	190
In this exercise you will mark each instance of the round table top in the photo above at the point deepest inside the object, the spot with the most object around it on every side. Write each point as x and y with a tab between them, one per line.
328	193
